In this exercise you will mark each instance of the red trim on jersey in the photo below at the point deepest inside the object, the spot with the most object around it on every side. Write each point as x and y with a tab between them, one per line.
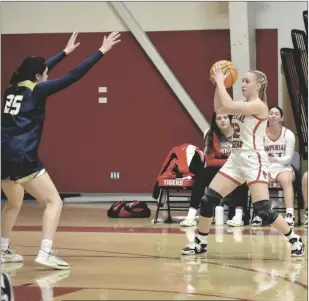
257	180
260	166
278	136
259	118
229	177
254	182
254	130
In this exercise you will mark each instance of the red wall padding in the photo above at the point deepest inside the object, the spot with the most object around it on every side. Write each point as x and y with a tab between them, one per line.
84	141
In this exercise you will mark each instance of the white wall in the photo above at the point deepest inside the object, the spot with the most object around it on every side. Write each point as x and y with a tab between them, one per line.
55	17
42	17
284	16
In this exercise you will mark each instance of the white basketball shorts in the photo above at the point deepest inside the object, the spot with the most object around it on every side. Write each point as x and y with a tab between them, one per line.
246	166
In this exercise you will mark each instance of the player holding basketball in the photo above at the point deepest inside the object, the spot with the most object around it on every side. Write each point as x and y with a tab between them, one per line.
23	117
248	161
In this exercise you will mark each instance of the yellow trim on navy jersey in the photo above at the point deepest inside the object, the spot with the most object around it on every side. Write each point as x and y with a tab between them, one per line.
31	176
28	84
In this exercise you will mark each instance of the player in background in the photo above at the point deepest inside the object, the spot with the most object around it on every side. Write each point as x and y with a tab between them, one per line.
217	148
280	147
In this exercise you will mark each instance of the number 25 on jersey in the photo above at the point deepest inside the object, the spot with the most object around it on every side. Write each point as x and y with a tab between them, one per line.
12	104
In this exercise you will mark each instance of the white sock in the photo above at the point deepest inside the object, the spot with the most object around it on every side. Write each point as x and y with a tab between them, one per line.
47	293
290	210
290	235
238	214
202	238
191	213
46	246
190	233
4	244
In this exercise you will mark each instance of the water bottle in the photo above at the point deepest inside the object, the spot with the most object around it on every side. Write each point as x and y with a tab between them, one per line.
219	215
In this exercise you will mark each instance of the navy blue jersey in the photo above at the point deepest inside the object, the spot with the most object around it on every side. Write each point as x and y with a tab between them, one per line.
23	113
22	122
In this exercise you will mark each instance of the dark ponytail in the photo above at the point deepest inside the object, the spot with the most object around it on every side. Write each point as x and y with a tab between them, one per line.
15	78
31	66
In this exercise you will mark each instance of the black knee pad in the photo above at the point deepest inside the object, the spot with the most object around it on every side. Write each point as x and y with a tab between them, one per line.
208	201
262	209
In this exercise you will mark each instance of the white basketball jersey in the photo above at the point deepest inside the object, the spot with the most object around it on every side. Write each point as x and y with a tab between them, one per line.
249	132
276	147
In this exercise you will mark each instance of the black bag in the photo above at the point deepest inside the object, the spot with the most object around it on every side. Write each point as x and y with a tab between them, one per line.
135	209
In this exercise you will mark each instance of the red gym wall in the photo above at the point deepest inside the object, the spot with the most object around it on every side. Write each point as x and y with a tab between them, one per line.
84	141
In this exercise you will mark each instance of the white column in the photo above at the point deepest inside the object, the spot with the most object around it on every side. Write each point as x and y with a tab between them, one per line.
242	39
160	64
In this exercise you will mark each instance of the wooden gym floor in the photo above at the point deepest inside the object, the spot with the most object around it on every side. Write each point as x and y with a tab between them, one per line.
118	259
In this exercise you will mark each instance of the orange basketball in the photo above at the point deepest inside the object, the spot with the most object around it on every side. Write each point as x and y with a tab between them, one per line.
229	68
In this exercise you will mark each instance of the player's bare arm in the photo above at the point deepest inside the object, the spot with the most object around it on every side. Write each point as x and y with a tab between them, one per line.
224	104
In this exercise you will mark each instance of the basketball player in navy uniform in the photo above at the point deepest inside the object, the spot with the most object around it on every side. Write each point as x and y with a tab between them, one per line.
23	116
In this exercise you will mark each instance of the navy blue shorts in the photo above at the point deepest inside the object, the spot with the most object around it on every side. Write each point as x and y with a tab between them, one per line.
21	171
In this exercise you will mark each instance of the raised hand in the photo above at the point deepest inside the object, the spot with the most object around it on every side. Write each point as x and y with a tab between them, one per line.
217	75
71	45
110	41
